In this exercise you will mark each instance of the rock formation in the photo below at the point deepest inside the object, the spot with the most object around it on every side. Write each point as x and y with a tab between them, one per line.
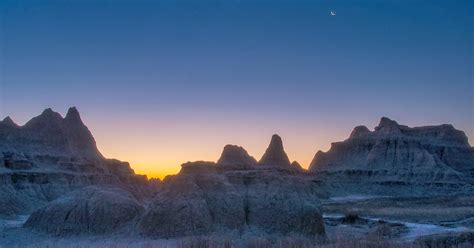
275	154
8	123
88	210
50	156
236	157
204	197
394	157
198	167
296	166
236	194
50	134
275	158
52	167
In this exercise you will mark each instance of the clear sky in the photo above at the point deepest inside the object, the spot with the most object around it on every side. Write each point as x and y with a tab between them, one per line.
160	83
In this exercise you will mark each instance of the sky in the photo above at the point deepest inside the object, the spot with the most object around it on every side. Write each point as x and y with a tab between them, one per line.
163	82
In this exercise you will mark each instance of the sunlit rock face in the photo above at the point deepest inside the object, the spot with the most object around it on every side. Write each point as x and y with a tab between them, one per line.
85	211
50	156
430	159
207	198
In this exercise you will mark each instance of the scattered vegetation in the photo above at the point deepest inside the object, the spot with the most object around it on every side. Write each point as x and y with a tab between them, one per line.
465	240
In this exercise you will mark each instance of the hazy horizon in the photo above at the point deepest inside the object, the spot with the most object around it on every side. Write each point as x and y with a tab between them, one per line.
256	151
161	82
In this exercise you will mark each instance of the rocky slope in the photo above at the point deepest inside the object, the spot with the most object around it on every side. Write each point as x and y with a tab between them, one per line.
236	157
275	157
49	134
235	194
395	159
88	210
50	156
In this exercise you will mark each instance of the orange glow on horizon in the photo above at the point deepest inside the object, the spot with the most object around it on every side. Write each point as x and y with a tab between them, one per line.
158	149
158	154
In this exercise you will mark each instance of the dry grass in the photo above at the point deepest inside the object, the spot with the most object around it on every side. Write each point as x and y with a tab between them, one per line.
202	242
377	239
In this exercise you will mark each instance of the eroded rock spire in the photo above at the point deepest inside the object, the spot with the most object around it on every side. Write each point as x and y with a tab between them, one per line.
275	154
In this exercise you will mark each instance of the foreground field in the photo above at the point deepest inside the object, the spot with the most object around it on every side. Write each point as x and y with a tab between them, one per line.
350	222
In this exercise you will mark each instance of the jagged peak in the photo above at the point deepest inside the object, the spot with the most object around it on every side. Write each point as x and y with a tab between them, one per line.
49	113
233	155
319	155
386	122
233	148
46	118
359	131
73	115
296	165
276	141
8	122
275	153
72	112
72	135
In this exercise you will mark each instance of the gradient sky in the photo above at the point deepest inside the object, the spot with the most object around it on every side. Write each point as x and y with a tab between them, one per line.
160	83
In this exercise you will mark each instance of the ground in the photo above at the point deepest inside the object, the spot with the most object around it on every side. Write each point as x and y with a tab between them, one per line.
353	221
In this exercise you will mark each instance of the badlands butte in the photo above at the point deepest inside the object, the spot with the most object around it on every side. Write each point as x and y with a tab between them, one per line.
397	183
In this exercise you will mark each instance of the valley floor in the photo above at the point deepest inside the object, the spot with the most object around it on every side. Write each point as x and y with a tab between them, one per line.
352	221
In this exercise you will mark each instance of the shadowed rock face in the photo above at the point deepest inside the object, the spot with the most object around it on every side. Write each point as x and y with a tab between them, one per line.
50	156
50	134
395	155
198	167
296	166
89	210
206	199
236	157
8	123
50	142
275	154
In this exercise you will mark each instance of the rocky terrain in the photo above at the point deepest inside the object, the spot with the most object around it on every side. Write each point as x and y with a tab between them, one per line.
234	194
52	170
207	196
393	184
398	160
88	210
50	156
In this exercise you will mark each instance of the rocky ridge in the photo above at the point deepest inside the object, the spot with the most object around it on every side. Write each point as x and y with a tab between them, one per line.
94	210
50	156
236	193
393	157
236	157
51	162
275	155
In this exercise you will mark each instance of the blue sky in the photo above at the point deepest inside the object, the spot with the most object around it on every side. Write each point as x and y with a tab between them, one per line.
260	67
